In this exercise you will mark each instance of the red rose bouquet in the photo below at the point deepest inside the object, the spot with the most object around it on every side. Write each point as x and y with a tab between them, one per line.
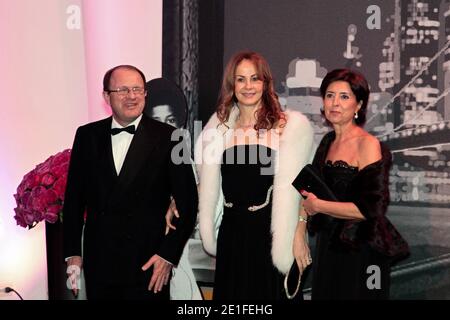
40	195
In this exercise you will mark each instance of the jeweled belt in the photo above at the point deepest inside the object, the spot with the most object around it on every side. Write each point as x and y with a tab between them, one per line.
256	207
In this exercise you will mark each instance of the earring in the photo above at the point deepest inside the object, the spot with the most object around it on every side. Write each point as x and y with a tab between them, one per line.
356	115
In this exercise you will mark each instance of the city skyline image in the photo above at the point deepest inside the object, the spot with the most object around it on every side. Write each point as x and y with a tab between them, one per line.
403	49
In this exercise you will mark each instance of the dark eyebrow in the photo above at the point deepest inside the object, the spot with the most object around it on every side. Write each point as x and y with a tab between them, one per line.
341	92
253	75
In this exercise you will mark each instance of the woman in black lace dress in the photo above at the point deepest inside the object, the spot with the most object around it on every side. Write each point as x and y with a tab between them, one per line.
356	244
250	151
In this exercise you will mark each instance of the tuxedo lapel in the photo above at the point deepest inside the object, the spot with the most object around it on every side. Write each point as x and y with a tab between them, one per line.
104	149
139	152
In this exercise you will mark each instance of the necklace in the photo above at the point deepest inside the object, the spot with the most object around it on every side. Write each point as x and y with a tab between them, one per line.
246	126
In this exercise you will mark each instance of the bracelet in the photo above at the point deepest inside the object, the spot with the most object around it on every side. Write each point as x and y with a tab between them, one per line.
303	219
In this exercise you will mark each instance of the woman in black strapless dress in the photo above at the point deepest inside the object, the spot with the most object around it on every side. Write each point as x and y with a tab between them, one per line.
250	151
244	267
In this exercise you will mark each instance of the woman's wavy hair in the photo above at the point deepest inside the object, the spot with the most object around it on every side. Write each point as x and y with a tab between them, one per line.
270	113
358	84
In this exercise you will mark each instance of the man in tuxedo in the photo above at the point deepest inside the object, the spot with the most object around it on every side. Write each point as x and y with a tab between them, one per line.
121	176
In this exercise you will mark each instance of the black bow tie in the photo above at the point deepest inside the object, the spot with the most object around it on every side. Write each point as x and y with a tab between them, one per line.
129	129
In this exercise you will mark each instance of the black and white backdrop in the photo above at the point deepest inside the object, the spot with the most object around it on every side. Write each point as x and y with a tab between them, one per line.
403	48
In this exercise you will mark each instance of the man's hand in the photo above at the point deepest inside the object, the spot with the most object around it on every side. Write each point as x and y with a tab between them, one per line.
171	211
74	265
161	272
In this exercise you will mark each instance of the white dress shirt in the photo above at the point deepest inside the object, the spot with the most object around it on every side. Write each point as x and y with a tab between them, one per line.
121	142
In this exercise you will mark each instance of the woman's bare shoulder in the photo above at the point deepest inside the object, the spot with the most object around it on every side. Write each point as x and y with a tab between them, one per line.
369	149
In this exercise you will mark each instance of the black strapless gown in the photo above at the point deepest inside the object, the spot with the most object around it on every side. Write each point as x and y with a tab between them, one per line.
341	273
244	268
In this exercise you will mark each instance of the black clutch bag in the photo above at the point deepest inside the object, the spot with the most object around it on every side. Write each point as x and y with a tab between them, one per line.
310	180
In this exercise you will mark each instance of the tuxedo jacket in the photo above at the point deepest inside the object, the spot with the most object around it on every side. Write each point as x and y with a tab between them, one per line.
124	215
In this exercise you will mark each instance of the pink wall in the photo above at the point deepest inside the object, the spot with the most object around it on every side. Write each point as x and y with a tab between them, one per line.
112	38
52	59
